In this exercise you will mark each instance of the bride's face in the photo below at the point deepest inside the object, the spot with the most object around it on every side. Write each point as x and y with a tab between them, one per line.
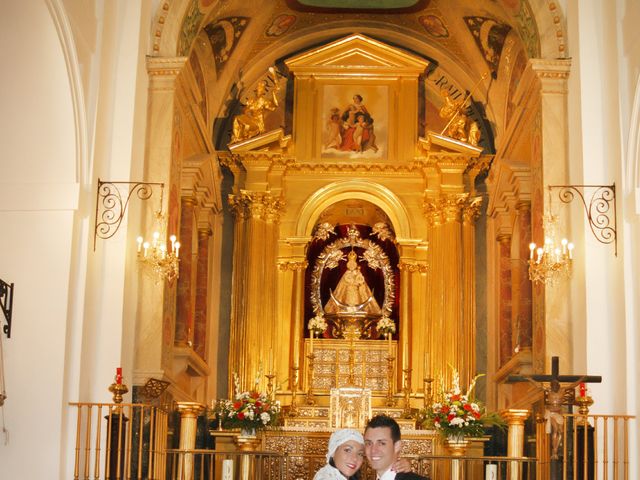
348	457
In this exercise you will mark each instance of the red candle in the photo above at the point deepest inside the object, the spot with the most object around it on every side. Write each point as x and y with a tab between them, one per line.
119	375
583	390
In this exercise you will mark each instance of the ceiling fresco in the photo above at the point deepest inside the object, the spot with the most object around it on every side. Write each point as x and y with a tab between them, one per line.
472	33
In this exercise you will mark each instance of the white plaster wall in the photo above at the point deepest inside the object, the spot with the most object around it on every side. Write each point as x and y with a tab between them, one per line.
38	196
604	46
69	115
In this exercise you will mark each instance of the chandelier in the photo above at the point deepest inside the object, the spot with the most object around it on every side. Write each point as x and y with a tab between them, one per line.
552	260
157	258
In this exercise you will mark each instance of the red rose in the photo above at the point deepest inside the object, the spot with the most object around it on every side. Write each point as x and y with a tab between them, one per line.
445	409
254	395
467	407
237	405
258	403
450	417
241	415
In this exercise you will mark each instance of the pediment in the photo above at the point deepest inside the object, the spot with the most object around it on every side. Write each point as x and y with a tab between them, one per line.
360	54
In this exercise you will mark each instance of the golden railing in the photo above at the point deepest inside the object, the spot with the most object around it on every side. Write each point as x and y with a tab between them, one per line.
593	447
216	465
118	441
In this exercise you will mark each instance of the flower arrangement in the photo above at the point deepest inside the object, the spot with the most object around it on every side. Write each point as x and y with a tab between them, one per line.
386	326
317	325
249	411
458	414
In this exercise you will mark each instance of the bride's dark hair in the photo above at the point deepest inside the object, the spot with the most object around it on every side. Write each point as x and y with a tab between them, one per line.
355	476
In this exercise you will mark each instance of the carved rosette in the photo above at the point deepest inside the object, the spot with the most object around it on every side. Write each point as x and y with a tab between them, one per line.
257	205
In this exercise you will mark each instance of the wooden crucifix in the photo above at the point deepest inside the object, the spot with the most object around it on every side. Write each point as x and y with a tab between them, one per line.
555	397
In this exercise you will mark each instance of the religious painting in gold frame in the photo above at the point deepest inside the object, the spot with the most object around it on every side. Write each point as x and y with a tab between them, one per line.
354	120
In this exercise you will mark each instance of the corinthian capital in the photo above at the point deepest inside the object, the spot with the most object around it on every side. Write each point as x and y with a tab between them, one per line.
258	205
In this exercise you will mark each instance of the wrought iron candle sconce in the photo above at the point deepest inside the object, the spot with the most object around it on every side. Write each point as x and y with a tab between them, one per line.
111	204
6	302
600	209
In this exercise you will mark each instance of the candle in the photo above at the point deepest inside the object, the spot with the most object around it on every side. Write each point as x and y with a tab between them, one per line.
270	360
156	236
173	242
313	334
532	247
177	245
139	240
427	372
119	375
146	247
405	352
583	390
389	343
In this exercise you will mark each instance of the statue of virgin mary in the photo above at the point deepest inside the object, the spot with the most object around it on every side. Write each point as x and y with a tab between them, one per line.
352	295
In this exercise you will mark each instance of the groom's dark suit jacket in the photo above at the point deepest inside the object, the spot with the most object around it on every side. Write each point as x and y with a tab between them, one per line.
409	476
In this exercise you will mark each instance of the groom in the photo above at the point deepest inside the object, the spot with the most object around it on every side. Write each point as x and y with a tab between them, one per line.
382	447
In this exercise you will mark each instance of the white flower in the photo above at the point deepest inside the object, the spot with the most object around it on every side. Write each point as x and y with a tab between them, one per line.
265	418
456	421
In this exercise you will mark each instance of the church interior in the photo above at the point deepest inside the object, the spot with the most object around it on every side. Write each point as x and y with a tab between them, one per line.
348	206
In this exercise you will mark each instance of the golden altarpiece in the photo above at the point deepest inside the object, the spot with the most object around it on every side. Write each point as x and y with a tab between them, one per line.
355	218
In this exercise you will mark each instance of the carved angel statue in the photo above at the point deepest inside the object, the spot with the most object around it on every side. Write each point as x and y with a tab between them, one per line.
459	125
250	122
323	231
457	120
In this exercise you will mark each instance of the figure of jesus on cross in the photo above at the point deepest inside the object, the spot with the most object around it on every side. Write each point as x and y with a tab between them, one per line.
555	397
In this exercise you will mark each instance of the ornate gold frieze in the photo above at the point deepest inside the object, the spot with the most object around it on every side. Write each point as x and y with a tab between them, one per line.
413	267
409	169
292	265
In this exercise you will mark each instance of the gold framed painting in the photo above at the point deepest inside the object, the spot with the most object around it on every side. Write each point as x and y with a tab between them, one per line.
354	121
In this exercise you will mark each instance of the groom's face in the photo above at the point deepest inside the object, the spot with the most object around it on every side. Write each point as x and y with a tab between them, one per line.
380	449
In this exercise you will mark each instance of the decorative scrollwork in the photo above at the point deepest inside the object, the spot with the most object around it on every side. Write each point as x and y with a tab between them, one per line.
111	206
600	209
6	303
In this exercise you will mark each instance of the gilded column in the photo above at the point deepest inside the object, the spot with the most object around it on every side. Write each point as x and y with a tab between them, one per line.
524	331
254	285
202	282
297	311
446	290
470	213
515	443
504	266
406	336
238	327
188	262
189	412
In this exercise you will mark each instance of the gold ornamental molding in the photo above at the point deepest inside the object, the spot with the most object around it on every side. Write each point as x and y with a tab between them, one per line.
348	168
413	266
165	66
551	69
292	265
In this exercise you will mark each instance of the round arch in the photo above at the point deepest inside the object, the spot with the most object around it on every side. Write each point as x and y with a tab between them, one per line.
374	193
